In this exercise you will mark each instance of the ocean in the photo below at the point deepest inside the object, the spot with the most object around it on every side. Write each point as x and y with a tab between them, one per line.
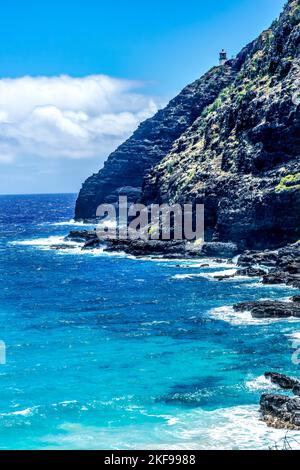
106	351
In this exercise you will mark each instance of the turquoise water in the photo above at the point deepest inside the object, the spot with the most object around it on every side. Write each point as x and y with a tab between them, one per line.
108	351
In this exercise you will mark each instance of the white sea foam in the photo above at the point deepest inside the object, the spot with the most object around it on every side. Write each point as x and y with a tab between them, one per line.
155	322
233	317
99	251
285	299
235	260
45	242
61	245
187	276
260	383
69	247
200	263
229	315
71	222
25	412
213	275
295	335
238	427
241	428
207	274
273	286
172	421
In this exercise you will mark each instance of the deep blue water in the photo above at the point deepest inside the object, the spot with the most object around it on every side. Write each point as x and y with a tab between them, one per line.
108	351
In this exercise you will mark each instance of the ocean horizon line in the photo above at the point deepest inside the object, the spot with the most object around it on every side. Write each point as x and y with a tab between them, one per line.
37	194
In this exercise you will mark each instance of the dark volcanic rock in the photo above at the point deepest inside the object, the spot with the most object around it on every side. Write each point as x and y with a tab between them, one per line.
269	309
280	411
251	272
81	235
283	264
282	278
61	247
275	278
223	277
284	381
296	389
92	243
226	250
265	258
168	249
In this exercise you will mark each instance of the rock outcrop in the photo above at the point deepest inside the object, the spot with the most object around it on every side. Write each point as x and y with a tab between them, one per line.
280	411
269	309
283	264
283	381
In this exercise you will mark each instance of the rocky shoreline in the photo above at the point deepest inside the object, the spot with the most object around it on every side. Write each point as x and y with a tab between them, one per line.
281	266
281	411
270	308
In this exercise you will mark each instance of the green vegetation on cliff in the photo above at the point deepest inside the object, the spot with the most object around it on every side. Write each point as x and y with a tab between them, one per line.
289	182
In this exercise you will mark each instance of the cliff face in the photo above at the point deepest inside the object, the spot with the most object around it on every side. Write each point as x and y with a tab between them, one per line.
125	168
230	140
241	157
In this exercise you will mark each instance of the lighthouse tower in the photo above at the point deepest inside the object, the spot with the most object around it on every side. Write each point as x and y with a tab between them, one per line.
223	57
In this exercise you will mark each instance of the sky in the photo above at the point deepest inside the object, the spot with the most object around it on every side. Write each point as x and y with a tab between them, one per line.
78	76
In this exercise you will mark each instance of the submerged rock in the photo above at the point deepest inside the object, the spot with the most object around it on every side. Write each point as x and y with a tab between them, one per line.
61	247
222	277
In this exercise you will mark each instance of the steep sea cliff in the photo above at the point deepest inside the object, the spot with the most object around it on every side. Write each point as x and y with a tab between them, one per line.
230	140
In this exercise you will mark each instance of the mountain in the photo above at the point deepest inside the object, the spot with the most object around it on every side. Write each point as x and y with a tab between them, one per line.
230	140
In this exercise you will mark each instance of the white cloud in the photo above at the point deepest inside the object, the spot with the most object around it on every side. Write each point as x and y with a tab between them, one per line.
68	117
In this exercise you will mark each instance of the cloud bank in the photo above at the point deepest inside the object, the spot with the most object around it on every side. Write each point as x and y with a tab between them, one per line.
66	117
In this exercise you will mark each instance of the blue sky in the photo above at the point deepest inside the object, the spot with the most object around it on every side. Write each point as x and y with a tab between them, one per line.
153	48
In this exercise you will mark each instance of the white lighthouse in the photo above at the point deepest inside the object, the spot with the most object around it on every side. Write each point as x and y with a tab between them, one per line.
223	57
